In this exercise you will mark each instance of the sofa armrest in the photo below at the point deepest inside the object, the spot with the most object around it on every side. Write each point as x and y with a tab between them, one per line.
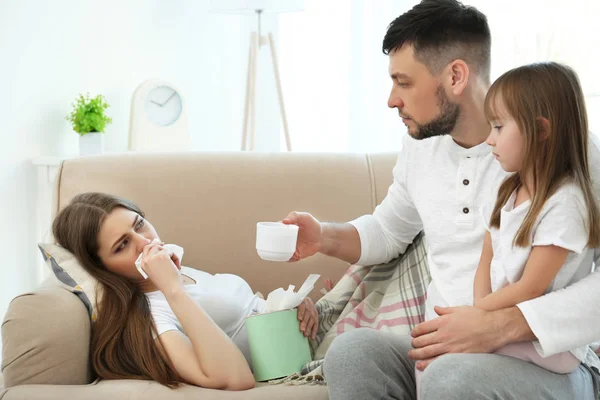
46	339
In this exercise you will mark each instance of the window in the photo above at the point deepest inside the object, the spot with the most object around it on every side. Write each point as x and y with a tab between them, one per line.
335	77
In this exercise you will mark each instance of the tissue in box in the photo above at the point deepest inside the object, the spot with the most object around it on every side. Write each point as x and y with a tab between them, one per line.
277	346
280	299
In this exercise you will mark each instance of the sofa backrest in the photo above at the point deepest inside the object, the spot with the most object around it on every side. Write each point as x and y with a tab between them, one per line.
209	203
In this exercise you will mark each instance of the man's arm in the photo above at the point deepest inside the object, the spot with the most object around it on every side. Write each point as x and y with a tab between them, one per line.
340	241
574	309
395	222
336	240
370	239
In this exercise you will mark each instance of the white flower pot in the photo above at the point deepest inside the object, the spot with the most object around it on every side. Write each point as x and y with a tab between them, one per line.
91	144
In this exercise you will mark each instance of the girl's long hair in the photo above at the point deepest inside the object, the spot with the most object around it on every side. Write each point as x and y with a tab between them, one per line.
550	91
122	344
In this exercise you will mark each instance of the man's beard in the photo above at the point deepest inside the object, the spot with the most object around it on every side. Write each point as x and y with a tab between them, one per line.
443	124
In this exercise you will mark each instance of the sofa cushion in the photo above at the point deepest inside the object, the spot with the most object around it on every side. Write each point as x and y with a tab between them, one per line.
45	339
72	275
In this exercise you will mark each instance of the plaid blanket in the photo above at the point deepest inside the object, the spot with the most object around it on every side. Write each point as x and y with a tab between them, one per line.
388	297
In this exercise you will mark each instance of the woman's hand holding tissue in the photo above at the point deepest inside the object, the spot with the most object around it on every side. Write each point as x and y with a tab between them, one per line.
308	317
162	267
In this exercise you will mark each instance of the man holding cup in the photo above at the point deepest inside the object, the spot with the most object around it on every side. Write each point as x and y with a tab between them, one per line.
439	62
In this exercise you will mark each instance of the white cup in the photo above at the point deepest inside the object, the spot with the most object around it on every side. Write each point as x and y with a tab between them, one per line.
276	241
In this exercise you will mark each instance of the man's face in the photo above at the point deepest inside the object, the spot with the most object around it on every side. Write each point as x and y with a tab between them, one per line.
419	97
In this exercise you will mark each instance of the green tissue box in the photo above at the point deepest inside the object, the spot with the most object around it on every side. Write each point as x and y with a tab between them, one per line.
277	346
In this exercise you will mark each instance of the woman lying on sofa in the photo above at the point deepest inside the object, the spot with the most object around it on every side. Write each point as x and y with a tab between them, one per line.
179	325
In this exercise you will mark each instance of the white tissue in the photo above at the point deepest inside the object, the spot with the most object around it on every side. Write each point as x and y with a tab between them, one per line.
280	299
171	248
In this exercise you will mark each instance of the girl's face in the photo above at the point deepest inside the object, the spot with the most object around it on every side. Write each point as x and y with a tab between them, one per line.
508	145
122	238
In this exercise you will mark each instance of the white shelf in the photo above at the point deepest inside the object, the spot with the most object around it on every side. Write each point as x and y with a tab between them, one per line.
47	168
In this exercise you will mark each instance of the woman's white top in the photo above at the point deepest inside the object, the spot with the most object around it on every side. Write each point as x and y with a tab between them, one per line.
226	298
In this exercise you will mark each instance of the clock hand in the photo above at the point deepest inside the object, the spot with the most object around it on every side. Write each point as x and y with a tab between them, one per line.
158	104
170	97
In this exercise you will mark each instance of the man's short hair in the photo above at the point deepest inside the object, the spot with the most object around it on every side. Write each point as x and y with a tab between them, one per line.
442	31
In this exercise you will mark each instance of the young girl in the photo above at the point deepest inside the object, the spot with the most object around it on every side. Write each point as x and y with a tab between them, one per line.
542	230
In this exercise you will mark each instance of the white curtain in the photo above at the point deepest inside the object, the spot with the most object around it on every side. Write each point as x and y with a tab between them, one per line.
335	77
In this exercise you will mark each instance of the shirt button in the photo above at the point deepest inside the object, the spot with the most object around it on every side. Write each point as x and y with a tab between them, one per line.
466	210
465	182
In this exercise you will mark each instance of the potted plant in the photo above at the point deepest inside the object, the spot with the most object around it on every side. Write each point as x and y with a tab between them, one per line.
88	119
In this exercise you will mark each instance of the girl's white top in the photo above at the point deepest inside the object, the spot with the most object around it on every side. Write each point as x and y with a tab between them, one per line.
562	222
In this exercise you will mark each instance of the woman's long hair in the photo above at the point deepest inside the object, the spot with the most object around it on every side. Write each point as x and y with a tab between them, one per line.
122	344
551	91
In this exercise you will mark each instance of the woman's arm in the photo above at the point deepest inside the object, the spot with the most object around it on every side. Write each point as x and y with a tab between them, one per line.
206	356
483	286
542	266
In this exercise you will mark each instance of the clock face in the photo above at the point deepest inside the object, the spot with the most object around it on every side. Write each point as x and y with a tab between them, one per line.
163	105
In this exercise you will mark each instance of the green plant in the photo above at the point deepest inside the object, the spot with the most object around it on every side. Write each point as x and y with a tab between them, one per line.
88	114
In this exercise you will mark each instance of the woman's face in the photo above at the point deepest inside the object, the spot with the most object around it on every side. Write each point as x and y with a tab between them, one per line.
122	238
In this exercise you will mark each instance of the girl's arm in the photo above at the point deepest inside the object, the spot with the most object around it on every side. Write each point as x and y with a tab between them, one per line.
205	356
542	266
483	285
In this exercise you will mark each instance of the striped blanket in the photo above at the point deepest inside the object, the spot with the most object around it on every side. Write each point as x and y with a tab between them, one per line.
388	297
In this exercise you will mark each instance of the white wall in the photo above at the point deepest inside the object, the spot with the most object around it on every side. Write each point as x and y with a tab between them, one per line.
51	51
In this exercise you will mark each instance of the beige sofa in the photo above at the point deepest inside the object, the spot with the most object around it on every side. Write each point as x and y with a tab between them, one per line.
208	203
